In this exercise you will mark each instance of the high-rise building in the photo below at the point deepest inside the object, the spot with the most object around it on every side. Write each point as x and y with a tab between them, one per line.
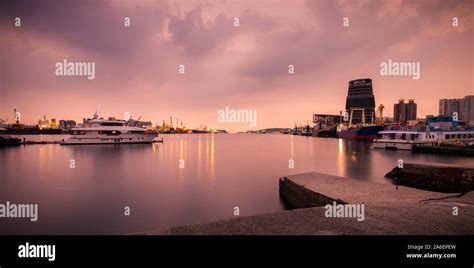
448	106
360	98
463	107
400	111
411	110
466	110
403	112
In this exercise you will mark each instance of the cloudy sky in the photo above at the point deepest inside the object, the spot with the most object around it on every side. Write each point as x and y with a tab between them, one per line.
242	67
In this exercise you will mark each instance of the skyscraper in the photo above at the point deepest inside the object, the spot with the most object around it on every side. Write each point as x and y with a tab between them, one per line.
400	111
463	107
466	109
411	110
360	96
403	112
448	106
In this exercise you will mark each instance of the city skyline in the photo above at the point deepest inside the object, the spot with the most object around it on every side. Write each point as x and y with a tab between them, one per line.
245	67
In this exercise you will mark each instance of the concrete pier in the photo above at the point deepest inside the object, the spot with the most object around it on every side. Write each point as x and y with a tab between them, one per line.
318	189
389	210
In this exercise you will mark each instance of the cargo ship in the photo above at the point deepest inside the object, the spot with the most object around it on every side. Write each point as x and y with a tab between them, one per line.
360	113
325	133
366	133
44	126
20	129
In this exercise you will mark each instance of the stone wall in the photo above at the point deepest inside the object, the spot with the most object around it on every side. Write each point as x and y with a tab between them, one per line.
297	196
440	178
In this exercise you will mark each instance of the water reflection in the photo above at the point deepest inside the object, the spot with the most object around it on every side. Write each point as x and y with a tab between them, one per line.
181	161
212	171
199	158
220	172
341	158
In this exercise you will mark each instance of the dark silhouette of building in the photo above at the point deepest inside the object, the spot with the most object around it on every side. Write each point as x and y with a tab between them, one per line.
361	97
403	112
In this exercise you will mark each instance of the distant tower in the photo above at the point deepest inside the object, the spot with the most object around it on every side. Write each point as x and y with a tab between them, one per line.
403	112
411	110
449	106
400	111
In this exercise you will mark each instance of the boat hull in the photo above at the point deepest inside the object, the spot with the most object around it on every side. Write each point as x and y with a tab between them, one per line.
121	139
364	133
9	141
393	145
327	133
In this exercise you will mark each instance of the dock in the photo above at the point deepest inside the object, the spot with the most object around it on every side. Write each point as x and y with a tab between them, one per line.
389	210
439	149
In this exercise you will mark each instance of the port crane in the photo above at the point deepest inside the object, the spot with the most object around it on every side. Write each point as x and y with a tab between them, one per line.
380	114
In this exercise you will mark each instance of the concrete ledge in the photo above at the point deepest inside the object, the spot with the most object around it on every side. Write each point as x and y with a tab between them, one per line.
318	189
429	219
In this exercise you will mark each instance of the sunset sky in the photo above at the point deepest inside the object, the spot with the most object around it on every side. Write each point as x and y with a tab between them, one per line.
242	67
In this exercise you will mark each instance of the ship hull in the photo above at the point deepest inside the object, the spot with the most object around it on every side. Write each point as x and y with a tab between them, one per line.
364	133
327	133
393	145
121	139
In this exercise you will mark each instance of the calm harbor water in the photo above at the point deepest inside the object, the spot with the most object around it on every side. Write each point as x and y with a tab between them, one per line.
220	172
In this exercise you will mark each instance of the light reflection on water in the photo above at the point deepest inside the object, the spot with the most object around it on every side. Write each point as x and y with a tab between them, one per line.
220	172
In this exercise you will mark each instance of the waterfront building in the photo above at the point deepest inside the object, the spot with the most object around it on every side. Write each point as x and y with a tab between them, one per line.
404	112
448	106
466	110
411	110
463	107
326	119
361	100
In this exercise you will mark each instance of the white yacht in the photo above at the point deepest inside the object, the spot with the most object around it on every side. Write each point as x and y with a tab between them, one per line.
405	139
111	131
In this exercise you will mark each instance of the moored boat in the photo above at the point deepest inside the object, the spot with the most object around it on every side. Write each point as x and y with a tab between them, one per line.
406	139
8	140
111	131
